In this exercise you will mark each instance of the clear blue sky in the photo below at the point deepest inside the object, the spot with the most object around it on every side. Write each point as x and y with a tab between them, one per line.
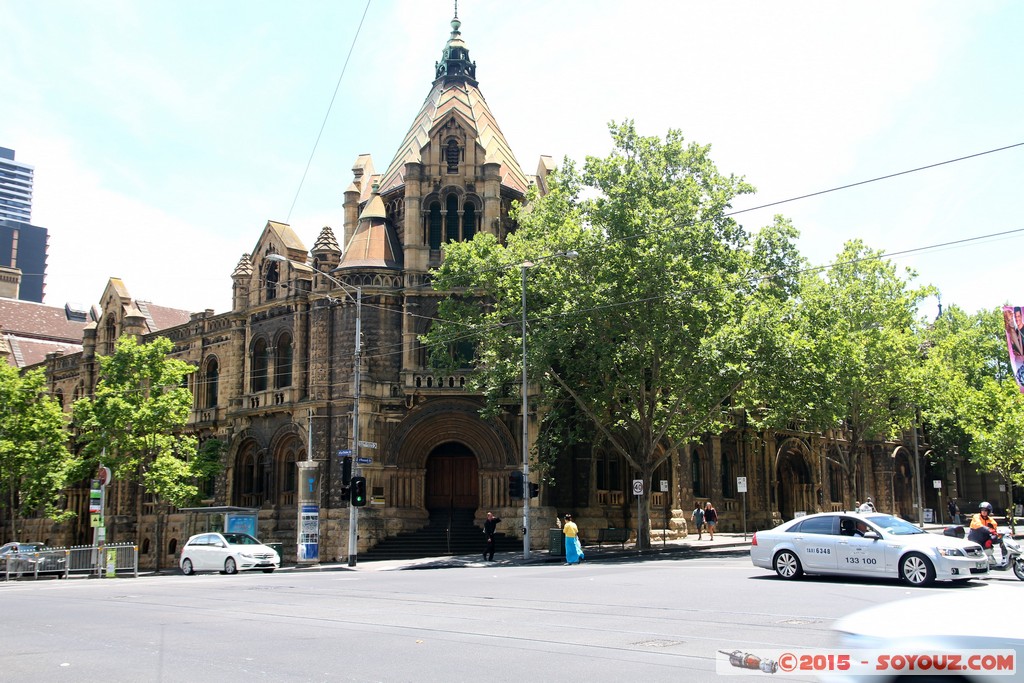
165	134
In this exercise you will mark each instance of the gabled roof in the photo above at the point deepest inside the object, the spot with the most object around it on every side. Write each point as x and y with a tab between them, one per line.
26	351
29	331
161	317
29	319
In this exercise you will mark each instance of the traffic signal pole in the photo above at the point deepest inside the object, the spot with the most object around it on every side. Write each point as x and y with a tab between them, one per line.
353	511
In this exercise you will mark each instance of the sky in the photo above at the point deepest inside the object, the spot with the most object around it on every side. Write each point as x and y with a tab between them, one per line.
164	135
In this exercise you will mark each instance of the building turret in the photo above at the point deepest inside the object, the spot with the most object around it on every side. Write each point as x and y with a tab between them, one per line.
240	289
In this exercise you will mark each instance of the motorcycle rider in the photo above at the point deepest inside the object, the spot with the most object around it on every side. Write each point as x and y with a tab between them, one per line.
984	530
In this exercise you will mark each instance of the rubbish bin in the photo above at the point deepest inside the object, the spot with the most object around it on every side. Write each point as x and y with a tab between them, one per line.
279	547
556	542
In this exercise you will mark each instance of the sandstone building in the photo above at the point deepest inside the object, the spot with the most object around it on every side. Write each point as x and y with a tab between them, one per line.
276	381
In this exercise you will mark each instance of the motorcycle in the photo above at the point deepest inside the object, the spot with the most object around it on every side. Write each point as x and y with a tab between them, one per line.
1011	551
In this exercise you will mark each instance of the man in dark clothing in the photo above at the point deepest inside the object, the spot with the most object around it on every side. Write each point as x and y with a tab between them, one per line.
489	526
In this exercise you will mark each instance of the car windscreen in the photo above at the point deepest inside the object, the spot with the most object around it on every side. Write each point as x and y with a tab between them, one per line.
894	525
240	539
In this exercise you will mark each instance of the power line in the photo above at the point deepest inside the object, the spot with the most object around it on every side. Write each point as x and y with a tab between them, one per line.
875	180
328	114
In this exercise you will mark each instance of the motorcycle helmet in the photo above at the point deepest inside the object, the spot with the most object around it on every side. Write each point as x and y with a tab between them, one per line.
985	506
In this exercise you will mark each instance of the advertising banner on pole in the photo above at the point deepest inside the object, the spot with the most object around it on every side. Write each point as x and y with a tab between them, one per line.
309	534
1013	320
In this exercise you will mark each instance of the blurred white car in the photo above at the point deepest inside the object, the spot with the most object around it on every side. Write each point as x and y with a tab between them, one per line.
950	621
870	544
31	558
226	553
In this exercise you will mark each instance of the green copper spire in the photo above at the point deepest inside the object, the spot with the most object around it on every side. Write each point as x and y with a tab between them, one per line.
455	63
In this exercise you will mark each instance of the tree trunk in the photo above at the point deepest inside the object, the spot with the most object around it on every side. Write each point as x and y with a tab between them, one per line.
159	535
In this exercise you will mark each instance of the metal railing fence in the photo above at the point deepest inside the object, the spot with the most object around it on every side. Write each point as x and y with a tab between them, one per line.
101	561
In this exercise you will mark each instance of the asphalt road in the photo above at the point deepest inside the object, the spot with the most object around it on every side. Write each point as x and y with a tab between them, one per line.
616	619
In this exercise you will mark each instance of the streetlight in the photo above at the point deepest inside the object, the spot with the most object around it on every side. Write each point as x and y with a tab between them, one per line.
353	511
526	428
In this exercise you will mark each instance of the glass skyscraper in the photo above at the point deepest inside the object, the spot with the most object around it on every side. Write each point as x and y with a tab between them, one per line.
15	188
23	246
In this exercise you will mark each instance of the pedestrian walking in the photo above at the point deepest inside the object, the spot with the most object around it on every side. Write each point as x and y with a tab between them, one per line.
711	519
573	549
954	511
698	519
489	526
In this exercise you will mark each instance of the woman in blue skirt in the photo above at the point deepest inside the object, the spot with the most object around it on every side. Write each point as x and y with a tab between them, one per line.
573	550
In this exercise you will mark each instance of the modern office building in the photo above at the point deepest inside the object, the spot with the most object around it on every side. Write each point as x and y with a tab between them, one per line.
23	260
15	188
23	246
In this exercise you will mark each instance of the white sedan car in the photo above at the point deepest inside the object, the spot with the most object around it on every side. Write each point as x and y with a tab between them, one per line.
226	553
869	544
937	624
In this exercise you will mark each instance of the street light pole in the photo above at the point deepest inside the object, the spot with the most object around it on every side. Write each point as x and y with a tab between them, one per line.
526	429
525	408
353	524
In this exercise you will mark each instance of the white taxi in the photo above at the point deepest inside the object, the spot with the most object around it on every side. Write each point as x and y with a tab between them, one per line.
870	544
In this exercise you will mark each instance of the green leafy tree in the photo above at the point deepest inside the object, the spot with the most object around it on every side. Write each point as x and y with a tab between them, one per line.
670	312
962	352
135	422
859	320
35	463
973	405
996	426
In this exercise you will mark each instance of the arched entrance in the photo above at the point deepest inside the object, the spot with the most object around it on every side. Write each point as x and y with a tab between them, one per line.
903	485
794	485
453	481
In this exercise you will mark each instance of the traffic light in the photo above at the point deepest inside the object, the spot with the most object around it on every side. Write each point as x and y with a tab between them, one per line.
534	490
346	470
515	484
357	491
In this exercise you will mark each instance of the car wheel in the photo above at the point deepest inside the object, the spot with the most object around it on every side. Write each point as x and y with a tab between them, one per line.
787	565
1018	567
916	570
186	567
268	571
230	567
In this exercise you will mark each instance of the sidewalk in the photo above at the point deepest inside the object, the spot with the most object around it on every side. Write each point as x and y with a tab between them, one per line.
592	553
729	541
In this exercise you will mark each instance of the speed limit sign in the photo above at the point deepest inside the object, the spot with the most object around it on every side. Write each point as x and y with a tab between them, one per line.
638	487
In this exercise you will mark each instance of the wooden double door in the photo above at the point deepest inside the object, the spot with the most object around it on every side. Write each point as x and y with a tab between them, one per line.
453	479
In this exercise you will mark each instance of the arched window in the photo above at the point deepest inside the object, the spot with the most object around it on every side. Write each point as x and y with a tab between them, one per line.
451	222
288	471
253	480
259	365
727	480
58	396
271	279
283	362
468	221
435	225
835	478
451	156
730	460
212	383
697	474
108	343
